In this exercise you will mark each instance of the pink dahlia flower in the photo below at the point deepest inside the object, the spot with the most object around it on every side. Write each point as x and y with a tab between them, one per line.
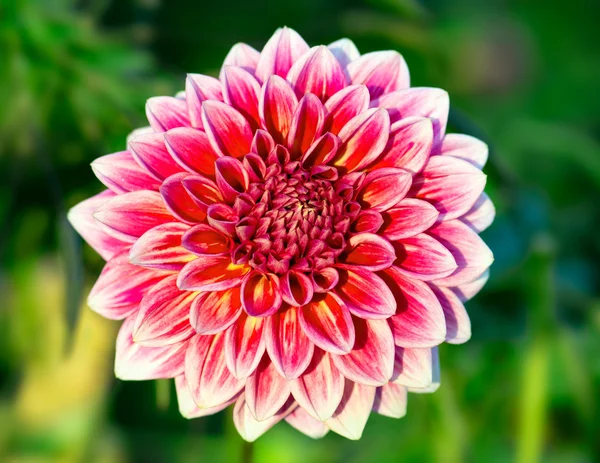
294	238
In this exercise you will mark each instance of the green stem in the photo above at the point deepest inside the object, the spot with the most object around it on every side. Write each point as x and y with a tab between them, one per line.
247	452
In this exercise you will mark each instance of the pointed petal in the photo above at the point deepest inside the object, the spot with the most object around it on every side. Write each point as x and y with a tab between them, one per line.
261	294
469	290
371	361
325	279
121	173
130	215
307	125
282	50
344	50
381	71
320	388
277	105
178	200
241	91
199	88
472	255
243	56
289	348
232	178
435	375
419	320
120	287
82	220
390	400
409	145
160	248
211	273
424	258
328	324
363	139
465	147
451	185
352	414
134	362
210	382
321	151
244	345
150	153
296	288
204	239
223	218
364	293
383	188
249	428
306	424
191	149
345	105
187	406
408	218
457	319
203	191
229	133
166	112
369	251
481	215
368	221
413	367
266	390
215	311
317	72
262	143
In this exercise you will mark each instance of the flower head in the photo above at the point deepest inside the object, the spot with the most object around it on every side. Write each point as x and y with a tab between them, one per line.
295	238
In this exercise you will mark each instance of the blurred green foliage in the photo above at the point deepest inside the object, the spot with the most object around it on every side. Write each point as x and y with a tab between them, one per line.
74	76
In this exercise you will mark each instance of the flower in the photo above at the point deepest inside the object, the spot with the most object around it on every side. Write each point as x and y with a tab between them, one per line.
295	238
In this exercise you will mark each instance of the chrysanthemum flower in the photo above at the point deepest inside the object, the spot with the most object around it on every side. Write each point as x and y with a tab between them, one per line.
294	238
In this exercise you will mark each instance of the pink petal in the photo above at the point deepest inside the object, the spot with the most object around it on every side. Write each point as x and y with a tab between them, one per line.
325	279
381	71
306	424
211	273
223	218
390	400
320	388
130	215
150	153
419	320
367	221
266	391
435	375
350	419
345	105
408	218
457	319
282	50
409	145
469	290
289	348
120	287
232	178
321	151
465	147
344	50
262	143
328	324
82	219
371	361
481	215
204	239
244	345
215	311
363	139
241	90
243	56
317	72
160	248
191	149
165	113
296	288
187	406
228	131
424	102
472	255
179	201
424	258
261	294
383	188
307	125
163	317
413	367
203	191
451	185
369	251
121	173
199	88
277	105
210	382
364	293
249	428
134	362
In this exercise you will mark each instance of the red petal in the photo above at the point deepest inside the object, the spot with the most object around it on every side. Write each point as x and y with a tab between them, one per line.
191	149
413	367
241	90
266	391
288	346
211	273
179	201
296	288
204	192
306	424
383	188
228	131
232	178
163	317
345	105
328	324
150	152
419	320
364	293
243	56
204	239
160	248
277	105
465	147
244	345
408	218
130	215
381	71
223	218
458	324
262	143
215	311
261	294
320	388
165	113
369	251
325	279
307	125
199	88
210	382
424	258
390	400
321	151
121	173
363	139
368	221
352	414
281	51
371	361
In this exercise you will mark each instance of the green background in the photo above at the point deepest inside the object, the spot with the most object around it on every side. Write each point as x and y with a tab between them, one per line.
523	75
